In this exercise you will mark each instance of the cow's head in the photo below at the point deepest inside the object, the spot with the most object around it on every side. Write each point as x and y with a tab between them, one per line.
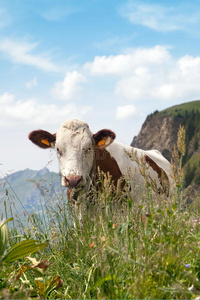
76	146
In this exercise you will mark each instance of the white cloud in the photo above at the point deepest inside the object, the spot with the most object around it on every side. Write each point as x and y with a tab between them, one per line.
160	17
182	81
5	99
15	112
178	79
20	52
150	74
70	88
125	112
127	63
32	83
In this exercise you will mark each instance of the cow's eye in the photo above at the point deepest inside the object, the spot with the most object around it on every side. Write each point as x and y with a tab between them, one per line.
87	150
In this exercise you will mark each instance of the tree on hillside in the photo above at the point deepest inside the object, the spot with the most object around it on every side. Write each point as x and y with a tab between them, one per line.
189	174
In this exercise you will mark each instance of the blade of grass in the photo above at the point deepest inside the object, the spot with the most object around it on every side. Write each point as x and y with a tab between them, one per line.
22	249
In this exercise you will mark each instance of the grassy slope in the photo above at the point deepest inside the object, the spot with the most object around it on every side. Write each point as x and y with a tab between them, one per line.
180	109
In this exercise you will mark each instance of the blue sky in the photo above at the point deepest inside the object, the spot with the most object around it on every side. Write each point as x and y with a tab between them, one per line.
109	63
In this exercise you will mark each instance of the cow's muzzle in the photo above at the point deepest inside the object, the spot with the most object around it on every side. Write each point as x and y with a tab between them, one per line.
72	181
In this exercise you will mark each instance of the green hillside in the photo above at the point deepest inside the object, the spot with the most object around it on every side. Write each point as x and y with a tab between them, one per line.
188	114
179	110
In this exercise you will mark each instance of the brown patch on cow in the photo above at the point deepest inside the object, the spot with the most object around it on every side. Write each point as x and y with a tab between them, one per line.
164	180
42	138
108	165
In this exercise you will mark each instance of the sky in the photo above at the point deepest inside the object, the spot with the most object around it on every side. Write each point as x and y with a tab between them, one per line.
107	62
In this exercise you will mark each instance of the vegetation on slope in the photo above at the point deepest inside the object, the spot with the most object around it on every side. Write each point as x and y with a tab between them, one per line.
182	108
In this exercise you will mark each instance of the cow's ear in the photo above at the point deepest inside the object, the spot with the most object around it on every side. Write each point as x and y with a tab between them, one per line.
42	138
103	138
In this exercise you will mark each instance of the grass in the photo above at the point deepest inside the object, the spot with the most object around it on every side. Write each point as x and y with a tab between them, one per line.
127	245
180	109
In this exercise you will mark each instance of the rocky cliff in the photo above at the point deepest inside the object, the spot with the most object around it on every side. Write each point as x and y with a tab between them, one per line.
158	132
160	129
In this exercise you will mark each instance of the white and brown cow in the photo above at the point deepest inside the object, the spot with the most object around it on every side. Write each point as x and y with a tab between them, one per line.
81	153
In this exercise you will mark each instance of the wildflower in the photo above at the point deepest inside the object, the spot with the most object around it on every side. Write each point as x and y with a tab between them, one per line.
114	225
92	245
187	265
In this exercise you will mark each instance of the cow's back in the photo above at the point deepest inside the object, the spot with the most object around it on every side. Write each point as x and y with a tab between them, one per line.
130	161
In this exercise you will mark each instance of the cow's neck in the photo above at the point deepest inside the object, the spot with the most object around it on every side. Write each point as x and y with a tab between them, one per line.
106	164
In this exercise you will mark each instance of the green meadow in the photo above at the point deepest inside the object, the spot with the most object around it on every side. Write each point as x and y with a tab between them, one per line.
115	245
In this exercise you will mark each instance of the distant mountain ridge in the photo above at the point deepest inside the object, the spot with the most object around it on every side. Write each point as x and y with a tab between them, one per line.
159	131
27	189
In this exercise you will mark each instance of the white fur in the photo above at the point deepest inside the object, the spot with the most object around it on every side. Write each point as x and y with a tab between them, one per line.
121	153
75	143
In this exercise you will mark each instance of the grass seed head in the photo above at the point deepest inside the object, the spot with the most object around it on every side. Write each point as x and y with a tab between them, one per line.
181	140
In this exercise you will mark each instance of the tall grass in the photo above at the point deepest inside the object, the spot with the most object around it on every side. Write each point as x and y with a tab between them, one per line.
127	245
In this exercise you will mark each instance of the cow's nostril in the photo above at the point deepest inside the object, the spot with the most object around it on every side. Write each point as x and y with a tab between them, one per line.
72	181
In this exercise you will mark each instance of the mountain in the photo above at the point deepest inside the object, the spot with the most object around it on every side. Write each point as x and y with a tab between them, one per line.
27	190
160	129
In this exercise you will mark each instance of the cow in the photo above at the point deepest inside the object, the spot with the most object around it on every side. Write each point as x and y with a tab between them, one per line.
81	154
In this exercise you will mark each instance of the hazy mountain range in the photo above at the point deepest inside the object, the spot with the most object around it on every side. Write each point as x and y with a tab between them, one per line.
26	191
